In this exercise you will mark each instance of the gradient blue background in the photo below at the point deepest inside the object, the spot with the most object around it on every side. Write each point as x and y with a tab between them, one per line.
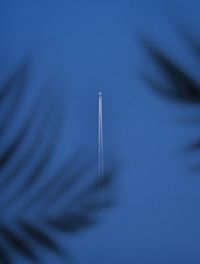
85	46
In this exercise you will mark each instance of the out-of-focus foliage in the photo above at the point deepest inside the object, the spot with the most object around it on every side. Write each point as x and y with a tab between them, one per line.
33	212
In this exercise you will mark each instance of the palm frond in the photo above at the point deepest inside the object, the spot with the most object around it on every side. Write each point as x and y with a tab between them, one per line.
177	84
33	211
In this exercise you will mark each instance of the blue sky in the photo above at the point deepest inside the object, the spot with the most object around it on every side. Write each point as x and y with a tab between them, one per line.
84	46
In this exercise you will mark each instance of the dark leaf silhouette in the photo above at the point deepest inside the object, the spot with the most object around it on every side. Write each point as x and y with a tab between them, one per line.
4	258
177	84
18	243
31	211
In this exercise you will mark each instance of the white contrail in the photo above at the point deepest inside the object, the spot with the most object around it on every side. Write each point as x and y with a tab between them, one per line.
100	146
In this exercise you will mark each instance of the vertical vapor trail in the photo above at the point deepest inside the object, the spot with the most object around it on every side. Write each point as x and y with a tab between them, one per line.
100	147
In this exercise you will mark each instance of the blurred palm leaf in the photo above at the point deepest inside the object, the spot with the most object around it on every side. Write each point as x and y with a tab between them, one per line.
180	86
177	85
31	212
